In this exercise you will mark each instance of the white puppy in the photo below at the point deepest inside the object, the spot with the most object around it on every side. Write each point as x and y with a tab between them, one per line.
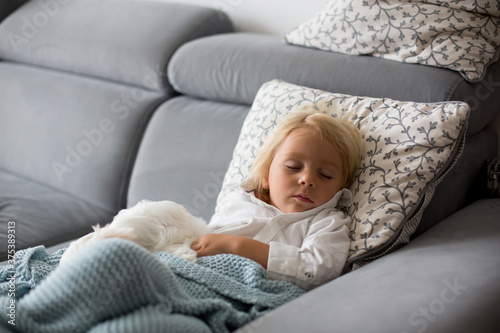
155	225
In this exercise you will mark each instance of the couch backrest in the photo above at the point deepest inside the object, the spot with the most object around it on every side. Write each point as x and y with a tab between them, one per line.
233	67
126	41
185	153
223	74
80	79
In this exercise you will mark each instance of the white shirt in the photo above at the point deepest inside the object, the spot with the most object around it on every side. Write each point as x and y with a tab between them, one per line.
307	248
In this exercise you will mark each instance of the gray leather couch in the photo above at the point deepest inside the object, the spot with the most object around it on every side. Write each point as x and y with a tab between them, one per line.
112	102
80	81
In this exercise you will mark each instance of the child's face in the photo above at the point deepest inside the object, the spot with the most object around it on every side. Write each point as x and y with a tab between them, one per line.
305	173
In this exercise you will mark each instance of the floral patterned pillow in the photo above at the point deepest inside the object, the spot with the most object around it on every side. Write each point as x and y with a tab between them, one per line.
408	149
461	35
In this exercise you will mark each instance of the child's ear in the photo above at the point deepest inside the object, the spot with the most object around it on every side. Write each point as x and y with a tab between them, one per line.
265	183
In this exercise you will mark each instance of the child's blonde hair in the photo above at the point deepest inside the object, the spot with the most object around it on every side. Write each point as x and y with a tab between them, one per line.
339	132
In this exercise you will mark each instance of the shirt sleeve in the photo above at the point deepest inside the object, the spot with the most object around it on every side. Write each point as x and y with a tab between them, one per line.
319	259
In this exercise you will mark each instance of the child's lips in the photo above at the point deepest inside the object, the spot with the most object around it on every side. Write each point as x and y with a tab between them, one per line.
303	198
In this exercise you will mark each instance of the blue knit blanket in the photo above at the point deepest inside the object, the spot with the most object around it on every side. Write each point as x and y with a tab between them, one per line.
117	286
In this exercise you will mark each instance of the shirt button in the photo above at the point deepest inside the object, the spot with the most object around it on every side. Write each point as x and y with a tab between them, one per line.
281	266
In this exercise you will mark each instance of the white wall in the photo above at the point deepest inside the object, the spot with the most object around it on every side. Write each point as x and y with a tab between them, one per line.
275	17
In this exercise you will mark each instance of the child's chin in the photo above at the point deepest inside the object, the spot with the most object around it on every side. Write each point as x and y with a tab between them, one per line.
299	209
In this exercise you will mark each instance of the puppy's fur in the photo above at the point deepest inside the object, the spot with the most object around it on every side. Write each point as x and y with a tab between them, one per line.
155	225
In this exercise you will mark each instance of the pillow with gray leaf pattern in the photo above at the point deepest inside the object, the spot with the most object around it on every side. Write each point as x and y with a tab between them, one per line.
409	147
461	35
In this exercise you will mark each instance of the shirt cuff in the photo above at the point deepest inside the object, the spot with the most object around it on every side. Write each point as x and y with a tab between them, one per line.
283	260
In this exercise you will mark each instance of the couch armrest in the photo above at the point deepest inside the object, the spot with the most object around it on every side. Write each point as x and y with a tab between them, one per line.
447	280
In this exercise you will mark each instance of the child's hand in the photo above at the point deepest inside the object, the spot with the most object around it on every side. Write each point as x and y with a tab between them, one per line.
212	244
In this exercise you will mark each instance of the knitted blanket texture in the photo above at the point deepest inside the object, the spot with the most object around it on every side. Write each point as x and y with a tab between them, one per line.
117	286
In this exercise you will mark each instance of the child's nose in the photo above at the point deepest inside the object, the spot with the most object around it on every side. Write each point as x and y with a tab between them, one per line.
306	179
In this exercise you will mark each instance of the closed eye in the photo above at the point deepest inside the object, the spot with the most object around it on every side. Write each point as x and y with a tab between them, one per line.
293	165
293	168
326	173
325	176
